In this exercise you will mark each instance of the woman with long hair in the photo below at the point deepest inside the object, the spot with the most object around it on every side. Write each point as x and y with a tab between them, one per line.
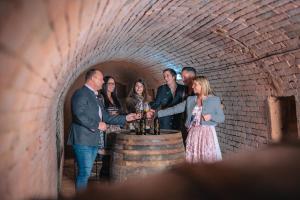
137	97
111	101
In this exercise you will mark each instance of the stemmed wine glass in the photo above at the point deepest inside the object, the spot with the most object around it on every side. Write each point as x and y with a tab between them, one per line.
146	107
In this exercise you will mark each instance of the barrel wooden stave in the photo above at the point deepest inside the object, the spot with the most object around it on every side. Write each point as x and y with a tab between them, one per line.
140	155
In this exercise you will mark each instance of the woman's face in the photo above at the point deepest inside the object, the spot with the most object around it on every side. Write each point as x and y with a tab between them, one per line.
139	88
111	85
197	87
169	78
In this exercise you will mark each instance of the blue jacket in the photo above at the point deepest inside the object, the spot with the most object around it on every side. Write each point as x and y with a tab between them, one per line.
211	105
85	119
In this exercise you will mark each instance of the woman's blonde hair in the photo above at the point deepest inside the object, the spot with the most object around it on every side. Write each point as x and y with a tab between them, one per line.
205	86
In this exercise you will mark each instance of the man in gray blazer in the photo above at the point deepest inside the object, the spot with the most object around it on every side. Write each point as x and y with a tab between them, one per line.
89	120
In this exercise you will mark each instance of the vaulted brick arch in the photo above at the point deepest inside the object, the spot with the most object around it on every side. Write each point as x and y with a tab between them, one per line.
248	49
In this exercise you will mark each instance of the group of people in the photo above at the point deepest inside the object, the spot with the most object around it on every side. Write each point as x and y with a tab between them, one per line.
191	108
195	105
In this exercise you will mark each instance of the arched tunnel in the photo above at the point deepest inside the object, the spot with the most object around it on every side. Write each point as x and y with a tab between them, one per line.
249	50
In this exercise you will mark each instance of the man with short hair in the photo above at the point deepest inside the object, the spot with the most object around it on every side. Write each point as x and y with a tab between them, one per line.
89	120
168	95
188	74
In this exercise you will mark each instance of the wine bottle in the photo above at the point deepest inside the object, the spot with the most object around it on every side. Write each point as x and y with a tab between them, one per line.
147	126
137	127
138	124
156	126
143	126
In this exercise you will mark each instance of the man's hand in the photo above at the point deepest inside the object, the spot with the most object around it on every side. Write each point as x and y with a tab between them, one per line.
102	126
132	116
206	117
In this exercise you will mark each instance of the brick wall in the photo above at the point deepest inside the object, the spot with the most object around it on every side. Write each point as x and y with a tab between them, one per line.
244	90
248	49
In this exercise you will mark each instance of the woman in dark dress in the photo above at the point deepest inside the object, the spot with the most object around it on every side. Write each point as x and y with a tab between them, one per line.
167	96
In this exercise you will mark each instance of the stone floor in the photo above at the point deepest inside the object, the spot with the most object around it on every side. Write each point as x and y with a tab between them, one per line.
68	180
68	185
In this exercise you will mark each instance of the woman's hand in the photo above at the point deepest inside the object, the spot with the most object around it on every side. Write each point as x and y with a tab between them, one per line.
206	117
102	126
132	116
150	114
138	116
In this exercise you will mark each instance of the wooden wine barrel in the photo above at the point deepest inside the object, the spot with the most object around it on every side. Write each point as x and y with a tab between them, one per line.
140	155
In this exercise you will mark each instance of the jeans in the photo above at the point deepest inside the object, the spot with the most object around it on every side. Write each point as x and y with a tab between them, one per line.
85	157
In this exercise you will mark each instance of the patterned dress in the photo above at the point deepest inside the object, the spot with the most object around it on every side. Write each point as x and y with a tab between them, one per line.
202	143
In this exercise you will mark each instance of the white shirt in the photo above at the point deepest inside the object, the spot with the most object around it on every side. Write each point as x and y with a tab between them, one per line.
96	93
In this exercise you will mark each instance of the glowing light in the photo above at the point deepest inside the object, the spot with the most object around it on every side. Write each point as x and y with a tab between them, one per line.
169	64
179	77
177	68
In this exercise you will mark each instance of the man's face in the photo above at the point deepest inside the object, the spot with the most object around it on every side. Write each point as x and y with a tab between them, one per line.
98	80
168	77
187	77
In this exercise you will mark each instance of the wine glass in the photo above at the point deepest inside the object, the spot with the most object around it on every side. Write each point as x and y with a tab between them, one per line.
146	107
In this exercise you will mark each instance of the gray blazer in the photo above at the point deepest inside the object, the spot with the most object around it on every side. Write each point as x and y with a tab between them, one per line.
85	119
211	105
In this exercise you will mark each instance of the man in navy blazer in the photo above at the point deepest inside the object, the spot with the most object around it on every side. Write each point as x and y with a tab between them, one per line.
187	74
89	120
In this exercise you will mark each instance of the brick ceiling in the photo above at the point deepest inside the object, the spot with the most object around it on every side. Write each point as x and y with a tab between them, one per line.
69	36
